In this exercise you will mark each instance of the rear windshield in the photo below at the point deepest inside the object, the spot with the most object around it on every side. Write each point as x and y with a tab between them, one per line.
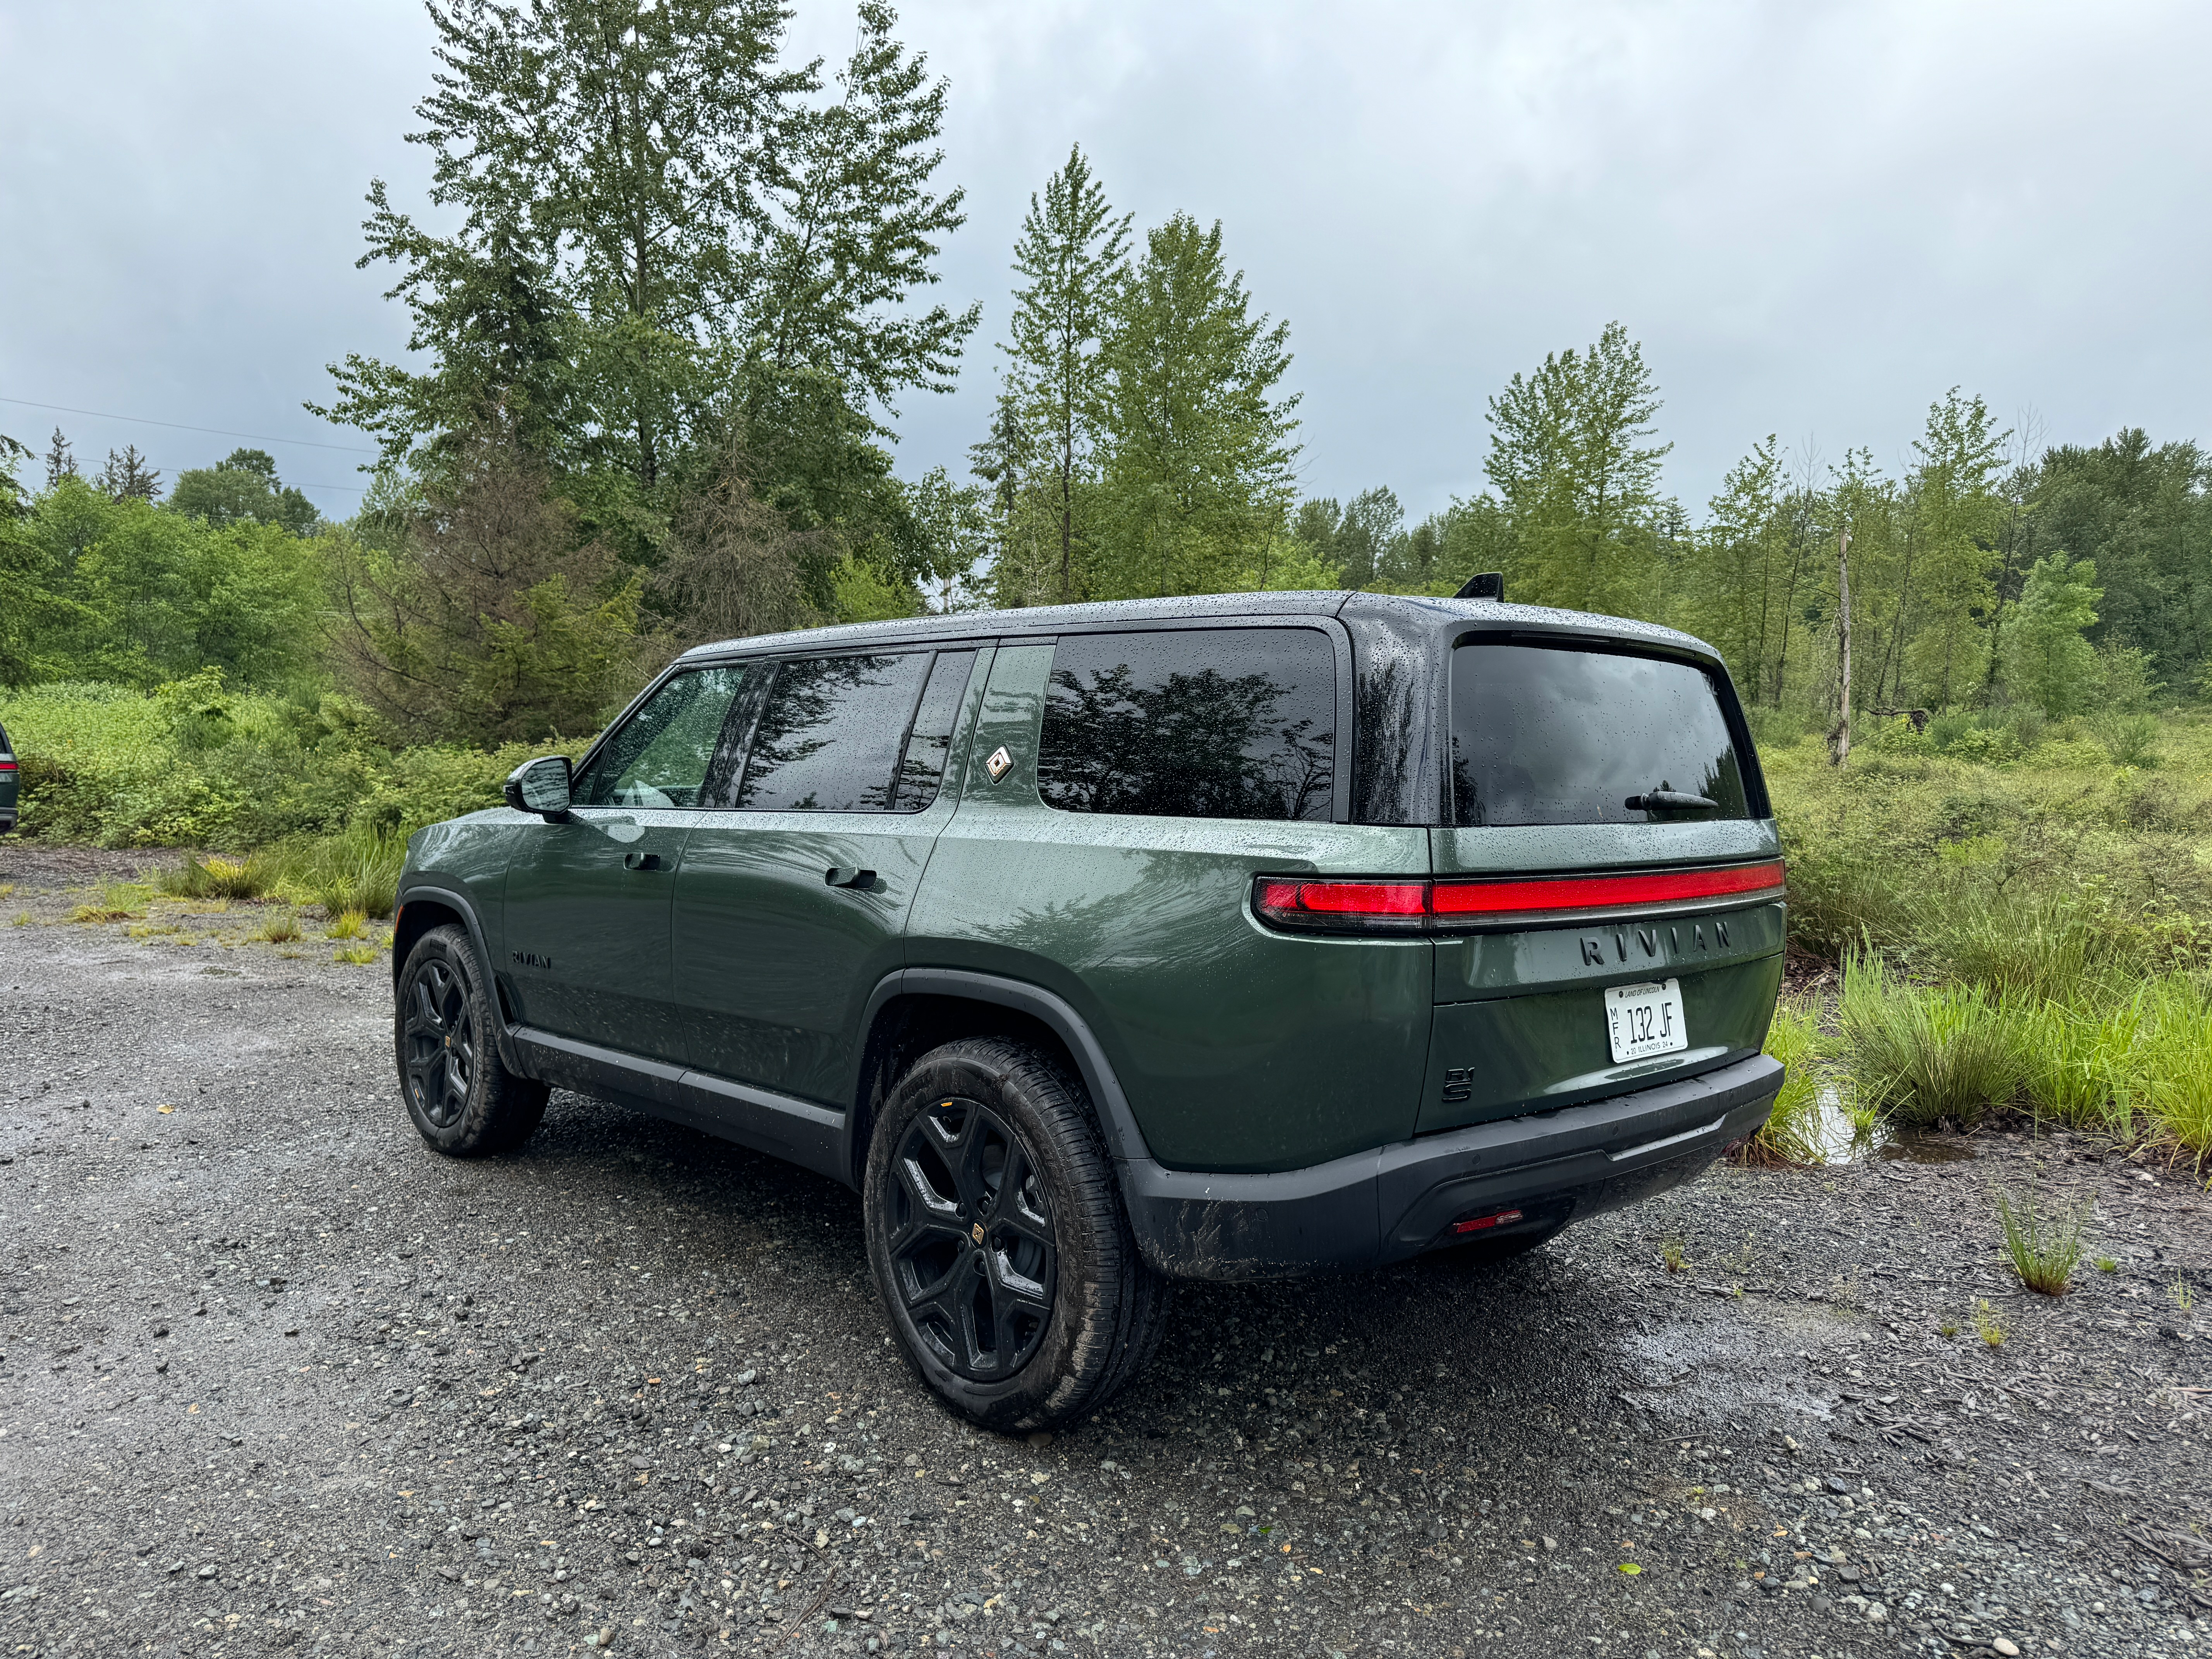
1544	734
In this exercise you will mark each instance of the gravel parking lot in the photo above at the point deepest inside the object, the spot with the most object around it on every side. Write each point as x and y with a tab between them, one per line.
275	1376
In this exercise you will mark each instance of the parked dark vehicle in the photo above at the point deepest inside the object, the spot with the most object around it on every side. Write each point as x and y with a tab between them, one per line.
10	779
1105	945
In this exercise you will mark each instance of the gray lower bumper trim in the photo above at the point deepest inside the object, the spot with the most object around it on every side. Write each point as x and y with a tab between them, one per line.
1396	1201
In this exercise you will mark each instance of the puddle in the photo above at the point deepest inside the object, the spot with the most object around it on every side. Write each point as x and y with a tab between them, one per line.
1839	1141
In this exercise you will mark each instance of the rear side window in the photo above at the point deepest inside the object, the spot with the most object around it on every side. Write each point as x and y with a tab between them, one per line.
1543	734
1201	723
660	757
931	741
834	734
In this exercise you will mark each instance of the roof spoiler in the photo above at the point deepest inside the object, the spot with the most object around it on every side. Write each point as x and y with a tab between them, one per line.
1490	585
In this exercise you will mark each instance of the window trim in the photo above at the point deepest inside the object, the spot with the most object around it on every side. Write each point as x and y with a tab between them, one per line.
1757	807
1339	639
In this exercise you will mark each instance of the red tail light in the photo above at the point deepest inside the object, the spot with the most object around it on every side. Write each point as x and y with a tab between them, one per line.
1388	905
7	766
1398	906
1500	898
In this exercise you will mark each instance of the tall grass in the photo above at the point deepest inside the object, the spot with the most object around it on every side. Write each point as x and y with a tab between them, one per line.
358	870
1927	1056
1791	1133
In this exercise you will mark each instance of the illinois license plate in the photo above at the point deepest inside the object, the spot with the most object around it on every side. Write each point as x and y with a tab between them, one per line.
1645	1019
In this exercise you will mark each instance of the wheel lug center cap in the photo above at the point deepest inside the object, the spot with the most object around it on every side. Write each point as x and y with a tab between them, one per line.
976	1232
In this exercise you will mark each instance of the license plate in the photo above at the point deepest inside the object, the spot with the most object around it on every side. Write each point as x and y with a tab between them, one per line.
1646	1019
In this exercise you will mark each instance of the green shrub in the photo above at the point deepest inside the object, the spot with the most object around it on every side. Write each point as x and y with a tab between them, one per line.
2129	740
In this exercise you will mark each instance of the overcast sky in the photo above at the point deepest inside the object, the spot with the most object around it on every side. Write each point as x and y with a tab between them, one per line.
1816	218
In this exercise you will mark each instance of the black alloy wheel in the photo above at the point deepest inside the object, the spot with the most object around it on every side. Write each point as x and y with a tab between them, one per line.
445	1036
968	1229
439	1038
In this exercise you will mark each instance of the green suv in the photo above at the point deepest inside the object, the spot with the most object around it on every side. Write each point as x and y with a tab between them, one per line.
1104	945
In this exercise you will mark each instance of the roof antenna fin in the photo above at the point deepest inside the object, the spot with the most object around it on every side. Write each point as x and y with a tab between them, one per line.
1490	585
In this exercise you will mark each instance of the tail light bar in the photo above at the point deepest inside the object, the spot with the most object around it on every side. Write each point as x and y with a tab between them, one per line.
1417	904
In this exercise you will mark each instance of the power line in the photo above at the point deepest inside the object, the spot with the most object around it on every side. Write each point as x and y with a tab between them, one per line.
217	431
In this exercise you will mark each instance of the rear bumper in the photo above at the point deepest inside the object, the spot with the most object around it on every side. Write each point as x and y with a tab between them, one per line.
1386	1205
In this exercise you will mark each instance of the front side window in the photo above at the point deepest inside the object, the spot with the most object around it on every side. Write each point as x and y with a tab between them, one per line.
1203	723
1549	734
831	732
660	757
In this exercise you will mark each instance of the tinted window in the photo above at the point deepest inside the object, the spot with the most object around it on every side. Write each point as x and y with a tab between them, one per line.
1202	723
830	732
660	757
931	741
1542	735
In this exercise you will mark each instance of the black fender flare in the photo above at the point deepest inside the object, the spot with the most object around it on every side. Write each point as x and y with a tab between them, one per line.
1125	1141
454	900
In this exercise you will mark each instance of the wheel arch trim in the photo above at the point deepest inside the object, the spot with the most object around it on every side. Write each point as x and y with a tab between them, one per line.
1124	1140
460	903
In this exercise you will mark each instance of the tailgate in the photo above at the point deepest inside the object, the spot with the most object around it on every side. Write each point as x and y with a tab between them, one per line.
1610	832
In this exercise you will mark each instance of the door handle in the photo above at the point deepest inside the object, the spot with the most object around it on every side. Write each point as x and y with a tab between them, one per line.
839	875
644	861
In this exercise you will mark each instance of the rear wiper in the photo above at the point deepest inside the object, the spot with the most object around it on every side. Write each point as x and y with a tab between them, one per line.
1667	799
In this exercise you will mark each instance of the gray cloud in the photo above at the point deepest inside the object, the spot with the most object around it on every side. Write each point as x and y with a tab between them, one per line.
1816	217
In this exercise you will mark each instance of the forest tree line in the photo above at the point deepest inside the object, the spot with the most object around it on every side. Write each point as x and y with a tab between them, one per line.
653	399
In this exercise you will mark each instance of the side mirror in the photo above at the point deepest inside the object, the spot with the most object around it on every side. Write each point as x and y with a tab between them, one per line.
541	787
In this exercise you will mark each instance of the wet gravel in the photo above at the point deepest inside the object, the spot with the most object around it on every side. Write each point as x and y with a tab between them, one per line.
275	1376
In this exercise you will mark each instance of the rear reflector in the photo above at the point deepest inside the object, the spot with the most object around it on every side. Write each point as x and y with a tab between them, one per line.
1483	1221
1406	906
7	766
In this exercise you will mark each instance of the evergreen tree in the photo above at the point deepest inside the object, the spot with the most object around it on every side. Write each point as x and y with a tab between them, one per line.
60	463
126	477
1578	484
1196	476
655	216
1072	255
1954	513
474	612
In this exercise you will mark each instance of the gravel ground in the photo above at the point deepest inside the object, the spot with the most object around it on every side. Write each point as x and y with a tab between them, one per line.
275	1376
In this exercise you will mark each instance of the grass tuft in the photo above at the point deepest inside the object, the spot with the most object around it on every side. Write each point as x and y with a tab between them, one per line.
347	924
279	928
217	878
1986	1327
114	901
2044	1248
1926	1055
359	955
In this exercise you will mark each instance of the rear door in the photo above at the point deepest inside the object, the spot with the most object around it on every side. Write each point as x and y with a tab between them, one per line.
798	875
1608	903
1148	776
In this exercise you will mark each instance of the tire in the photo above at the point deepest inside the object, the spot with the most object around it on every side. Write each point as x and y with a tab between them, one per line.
998	1243
465	1102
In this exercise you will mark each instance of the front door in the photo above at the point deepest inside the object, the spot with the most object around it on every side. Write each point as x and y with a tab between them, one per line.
792	901
587	900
